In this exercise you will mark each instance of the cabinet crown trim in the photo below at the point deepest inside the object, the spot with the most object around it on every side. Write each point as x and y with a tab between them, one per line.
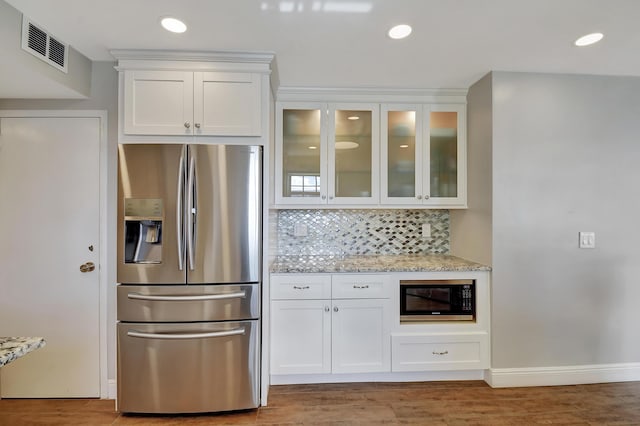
371	94
178	59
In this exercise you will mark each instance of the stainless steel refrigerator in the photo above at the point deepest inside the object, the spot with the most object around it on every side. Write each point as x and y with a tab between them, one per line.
189	268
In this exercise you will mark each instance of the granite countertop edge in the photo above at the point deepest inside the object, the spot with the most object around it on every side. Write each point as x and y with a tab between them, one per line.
12	348
373	264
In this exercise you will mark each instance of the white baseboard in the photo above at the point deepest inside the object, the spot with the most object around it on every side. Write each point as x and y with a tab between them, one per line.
427	376
558	376
113	389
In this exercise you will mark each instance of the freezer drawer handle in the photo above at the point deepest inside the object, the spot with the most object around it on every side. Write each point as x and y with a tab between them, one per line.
142	335
139	296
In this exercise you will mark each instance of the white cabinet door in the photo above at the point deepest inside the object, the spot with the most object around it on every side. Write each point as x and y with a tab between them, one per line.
361	336
227	104
423	155
300	337
402	154
158	103
327	154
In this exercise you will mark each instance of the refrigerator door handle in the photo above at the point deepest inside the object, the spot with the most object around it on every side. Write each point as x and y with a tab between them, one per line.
191	210
183	336
220	296
180	211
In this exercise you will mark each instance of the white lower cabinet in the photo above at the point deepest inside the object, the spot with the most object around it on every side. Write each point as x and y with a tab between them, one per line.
300	336
440	352
320	336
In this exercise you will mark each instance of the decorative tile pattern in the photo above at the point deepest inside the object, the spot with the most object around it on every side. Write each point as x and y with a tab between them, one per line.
362	232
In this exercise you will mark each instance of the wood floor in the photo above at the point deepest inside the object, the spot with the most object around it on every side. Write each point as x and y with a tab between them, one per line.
440	403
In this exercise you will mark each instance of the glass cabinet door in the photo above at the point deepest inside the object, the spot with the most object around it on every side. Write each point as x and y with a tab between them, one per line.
353	142
401	174
301	155
443	153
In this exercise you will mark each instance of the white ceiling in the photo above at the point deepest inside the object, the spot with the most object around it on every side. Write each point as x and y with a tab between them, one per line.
343	43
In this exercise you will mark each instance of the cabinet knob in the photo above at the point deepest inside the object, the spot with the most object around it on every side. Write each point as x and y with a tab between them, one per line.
331	197
324	197
326	309
419	197
197	125
426	197
335	309
187	124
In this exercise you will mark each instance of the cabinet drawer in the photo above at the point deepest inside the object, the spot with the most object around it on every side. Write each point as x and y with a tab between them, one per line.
439	352
359	286
300	287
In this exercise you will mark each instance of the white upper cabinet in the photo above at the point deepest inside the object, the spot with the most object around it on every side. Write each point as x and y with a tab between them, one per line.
192	103
169	97
423	154
327	154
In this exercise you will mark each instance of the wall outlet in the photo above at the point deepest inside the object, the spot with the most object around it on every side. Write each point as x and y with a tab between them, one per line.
300	230
587	240
426	230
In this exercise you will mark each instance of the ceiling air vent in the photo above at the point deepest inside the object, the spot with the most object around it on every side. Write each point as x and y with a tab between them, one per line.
42	45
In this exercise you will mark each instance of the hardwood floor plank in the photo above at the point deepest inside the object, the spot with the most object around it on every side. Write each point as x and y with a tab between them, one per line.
420	403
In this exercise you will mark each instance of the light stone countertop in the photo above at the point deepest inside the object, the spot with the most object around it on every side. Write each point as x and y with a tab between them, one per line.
374	263
12	348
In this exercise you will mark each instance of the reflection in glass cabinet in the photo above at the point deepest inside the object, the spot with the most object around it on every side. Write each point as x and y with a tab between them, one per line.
443	130
401	153
301	153
353	153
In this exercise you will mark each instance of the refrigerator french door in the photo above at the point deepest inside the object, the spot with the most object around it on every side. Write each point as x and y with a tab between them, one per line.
189	257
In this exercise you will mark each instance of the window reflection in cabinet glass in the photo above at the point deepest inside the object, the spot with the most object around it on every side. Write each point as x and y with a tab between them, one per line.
444	154
353	153
301	153
401	153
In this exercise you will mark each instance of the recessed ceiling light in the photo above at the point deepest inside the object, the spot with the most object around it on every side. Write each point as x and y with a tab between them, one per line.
174	25
589	39
399	31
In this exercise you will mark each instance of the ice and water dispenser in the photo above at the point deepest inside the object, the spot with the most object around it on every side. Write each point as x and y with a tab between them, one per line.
143	230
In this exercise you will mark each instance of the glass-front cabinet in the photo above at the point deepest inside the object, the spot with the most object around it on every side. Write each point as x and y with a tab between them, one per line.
423	155
327	154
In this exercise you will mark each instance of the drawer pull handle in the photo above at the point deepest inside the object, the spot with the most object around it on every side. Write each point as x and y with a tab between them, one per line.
361	286
301	288
440	353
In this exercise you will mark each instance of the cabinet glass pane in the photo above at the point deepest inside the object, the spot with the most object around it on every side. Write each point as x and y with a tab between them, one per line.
444	154
301	153
401	153
353	153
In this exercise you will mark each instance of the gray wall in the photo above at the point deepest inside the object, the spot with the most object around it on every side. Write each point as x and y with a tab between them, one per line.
31	75
471	229
566	159
104	96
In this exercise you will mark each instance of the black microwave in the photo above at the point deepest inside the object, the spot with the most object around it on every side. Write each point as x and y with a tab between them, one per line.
437	300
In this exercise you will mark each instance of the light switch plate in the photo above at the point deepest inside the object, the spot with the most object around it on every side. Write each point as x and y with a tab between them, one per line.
587	240
426	230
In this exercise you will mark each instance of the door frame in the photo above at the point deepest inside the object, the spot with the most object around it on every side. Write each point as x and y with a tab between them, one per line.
106	268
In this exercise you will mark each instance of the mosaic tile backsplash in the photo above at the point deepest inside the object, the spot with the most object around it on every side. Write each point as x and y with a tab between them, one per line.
362	232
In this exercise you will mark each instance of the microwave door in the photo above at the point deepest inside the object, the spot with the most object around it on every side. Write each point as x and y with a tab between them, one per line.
225	214
150	220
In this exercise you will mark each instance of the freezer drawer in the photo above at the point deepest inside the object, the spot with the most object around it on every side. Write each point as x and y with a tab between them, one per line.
188	368
182	303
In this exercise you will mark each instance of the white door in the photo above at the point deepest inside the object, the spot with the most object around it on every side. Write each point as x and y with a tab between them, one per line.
49	227
300	337
361	339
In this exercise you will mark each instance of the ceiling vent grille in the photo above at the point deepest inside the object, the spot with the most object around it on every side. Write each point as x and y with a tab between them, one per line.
42	45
